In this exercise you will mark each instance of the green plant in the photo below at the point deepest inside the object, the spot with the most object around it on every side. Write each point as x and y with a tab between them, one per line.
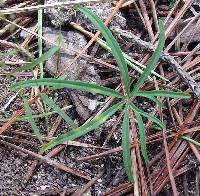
124	102
171	3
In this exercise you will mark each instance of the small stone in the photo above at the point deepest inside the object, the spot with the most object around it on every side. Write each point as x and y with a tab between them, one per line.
99	180
80	70
92	104
102	10
63	15
44	187
59	16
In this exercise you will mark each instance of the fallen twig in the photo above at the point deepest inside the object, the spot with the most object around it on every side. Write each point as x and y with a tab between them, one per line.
47	160
17	47
145	46
47	6
168	161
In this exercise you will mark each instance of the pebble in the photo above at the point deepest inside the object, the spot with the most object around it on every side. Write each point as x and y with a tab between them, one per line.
60	16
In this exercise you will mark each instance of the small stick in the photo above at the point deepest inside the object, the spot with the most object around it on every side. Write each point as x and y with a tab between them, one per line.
155	18
47	6
187	4
17	47
47	160
146	19
145	46
169	165
8	26
197	182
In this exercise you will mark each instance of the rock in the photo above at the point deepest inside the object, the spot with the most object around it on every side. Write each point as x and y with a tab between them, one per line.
119	177
72	40
80	70
102	10
59	16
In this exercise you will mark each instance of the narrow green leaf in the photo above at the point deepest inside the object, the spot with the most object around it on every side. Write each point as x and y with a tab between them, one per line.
37	61
163	93
142	134
40	48
191	140
130	61
60	40
112	43
2	64
41	64
136	68
42	115
31	120
84	129
126	144
133	63
151	97
78	85
55	107
149	116
153	60
2	2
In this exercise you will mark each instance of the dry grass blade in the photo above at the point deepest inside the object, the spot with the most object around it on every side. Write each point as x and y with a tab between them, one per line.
195	151
179	34
155	17
187	4
120	190
194	31
171	176
177	151
139	171
147	23
50	134
8	26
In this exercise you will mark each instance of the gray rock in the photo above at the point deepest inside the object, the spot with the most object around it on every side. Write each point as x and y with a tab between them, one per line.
59	16
80	70
57	63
